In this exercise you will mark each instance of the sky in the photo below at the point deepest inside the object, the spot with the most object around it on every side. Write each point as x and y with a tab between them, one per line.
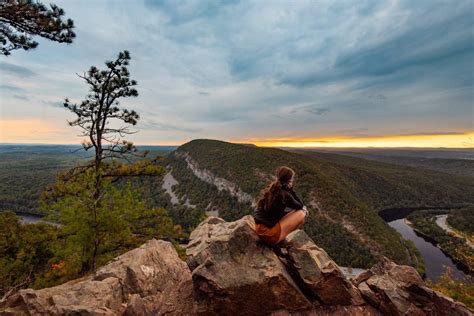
274	73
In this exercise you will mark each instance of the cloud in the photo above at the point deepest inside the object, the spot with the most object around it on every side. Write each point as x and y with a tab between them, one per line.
56	104
306	109
242	69
378	96
21	97
150	124
318	111
10	88
359	132
16	70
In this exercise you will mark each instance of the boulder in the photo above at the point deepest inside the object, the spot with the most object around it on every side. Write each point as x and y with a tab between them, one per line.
151	279
399	290
235	273
319	274
229	271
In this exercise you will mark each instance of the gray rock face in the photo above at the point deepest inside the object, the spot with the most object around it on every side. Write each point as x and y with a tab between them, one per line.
399	290
321	275
229	271
151	279
220	183
234	273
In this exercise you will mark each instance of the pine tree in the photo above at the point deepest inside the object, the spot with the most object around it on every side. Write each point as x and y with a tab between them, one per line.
95	215
20	20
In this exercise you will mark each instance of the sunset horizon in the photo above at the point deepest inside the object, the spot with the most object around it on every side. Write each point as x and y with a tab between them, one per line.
441	141
352	79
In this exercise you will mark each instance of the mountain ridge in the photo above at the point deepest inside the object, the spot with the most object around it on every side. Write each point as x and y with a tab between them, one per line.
348	196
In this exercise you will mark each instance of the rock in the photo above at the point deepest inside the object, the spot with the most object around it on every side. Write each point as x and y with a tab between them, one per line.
344	310
399	290
319	274
151	279
234	273
229	271
433	302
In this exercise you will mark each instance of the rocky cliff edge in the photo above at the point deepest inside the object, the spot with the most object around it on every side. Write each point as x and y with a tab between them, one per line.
229	271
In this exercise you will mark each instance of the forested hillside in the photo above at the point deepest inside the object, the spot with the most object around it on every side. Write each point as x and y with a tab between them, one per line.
385	185
343	193
26	170
348	191
458	161
25	174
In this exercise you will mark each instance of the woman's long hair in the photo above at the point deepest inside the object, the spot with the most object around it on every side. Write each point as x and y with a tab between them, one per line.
273	191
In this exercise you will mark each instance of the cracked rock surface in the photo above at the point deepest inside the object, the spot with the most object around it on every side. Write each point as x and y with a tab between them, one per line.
229	271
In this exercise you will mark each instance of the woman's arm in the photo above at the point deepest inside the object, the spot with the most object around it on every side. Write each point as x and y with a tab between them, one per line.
292	201
293	193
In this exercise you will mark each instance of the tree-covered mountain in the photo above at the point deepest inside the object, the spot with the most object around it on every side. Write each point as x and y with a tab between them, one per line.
343	193
453	161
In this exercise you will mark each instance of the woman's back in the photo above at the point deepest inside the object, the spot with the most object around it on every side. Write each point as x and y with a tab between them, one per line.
285	198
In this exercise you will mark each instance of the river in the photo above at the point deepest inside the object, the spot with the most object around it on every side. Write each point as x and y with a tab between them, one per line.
33	219
435	259
30	219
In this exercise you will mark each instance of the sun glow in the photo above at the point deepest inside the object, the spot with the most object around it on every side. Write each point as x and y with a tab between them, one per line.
453	140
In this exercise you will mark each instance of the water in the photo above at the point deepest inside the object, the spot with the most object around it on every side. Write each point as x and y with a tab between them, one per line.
30	219
435	259
33	219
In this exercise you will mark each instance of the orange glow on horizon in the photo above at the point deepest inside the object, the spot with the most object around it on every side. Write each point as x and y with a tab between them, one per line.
36	130
454	140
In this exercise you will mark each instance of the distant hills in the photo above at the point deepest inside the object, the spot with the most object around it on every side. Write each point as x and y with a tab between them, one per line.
344	193
458	161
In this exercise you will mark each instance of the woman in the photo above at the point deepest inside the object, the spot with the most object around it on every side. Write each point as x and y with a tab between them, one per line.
272	223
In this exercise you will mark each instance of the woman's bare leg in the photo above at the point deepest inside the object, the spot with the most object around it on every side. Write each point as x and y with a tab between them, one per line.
290	222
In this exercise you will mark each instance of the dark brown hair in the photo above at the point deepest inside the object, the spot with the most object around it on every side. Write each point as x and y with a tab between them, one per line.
273	190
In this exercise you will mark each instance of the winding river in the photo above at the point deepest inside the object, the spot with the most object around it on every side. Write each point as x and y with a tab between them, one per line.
435	259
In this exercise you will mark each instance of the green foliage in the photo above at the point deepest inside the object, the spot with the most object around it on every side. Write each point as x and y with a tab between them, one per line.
463	220
384	185
102	106
24	175
23	19
181	251
348	192
320	183
462	291
96	217
27	170
419	159
333	238
99	229
26	252
204	195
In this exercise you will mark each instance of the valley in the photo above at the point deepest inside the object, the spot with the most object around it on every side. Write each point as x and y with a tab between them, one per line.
344	193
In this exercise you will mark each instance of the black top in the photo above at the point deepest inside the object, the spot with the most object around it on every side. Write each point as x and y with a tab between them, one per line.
269	218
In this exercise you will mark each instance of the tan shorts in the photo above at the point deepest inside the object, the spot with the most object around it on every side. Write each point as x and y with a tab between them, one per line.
269	235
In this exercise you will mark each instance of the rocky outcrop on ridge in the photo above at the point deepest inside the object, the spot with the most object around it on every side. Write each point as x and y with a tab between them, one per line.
207	176
151	279
229	271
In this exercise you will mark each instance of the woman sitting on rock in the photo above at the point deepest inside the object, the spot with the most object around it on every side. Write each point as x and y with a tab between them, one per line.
272	223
